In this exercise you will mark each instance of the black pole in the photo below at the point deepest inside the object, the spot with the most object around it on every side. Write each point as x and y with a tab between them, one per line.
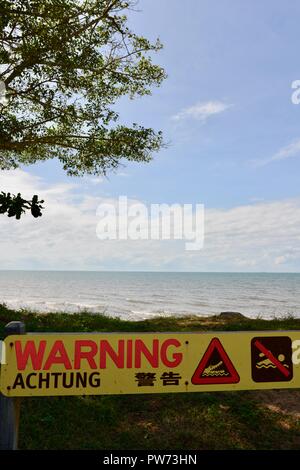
10	407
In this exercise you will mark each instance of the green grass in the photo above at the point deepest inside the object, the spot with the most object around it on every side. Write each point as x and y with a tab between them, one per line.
87	322
231	420
223	420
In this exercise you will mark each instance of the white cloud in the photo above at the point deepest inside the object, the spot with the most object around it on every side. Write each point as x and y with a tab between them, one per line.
202	111
97	180
291	150
281	259
261	236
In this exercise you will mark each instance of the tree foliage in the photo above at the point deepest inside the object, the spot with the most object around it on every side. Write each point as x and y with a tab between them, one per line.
67	62
15	206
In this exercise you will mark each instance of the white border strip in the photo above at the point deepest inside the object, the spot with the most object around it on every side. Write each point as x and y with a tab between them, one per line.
2	353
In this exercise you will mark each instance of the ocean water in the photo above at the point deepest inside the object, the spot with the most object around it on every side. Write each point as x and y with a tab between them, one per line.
141	295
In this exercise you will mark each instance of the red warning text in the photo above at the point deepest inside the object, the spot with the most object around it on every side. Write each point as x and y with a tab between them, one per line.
126	354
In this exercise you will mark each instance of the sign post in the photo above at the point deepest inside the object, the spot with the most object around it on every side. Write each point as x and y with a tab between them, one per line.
10	407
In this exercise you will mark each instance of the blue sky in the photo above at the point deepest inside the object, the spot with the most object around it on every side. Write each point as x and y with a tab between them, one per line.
233	133
243	54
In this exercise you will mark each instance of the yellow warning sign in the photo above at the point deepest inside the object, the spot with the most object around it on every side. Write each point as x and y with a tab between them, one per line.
129	363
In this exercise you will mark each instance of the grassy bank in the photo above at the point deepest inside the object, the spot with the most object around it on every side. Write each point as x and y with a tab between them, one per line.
239	420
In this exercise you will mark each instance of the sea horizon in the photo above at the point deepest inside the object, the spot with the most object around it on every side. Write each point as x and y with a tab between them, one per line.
137	295
148	271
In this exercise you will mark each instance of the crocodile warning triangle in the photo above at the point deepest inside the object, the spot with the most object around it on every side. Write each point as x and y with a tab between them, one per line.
215	367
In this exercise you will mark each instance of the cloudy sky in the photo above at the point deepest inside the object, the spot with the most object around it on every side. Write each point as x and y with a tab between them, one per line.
234	146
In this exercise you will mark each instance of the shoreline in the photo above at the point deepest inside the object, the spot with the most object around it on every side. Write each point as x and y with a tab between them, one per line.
146	295
86	321
140	316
